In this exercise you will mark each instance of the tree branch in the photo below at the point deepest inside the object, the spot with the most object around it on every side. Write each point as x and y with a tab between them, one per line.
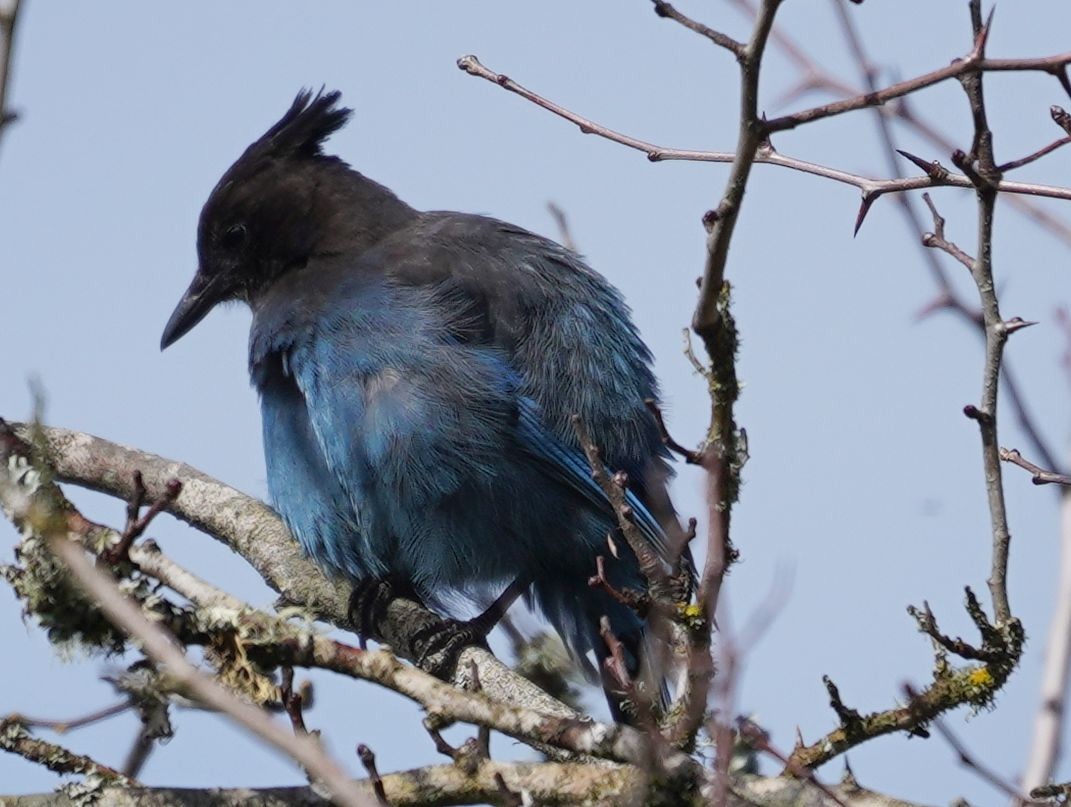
9	17
546	784
162	649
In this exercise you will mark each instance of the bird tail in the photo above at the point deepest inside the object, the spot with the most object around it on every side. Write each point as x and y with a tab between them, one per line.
622	659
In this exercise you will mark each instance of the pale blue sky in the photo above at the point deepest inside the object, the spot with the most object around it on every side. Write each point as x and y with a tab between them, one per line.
864	478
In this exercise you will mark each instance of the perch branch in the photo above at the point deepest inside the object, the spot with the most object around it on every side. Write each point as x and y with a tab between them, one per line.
162	649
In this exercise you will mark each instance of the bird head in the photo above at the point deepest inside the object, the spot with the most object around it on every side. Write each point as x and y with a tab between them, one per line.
281	202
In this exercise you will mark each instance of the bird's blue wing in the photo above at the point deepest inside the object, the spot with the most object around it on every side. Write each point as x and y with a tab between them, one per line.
570	466
324	518
415	430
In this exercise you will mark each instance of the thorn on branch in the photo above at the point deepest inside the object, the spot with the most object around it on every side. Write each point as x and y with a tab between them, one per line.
934	170
1017	324
869	197
368	759
1037	155
982	39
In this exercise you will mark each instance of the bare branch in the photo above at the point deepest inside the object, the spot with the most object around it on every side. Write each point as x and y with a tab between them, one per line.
663	9
974	63
816	78
937	240
15	739
872	189
546	783
1039	476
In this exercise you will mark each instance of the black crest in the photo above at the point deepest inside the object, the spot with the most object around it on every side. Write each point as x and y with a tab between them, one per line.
302	131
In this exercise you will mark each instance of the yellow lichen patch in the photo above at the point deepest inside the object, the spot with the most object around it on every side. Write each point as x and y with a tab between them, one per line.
980	677
690	615
690	610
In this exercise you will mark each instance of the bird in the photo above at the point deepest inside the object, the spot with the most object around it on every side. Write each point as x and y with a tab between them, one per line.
421	376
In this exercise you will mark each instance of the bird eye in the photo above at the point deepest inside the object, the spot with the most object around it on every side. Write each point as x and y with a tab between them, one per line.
233	236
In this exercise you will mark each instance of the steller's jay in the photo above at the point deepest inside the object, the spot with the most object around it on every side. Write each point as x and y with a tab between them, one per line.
418	376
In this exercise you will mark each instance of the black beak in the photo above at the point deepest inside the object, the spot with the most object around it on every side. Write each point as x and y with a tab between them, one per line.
200	298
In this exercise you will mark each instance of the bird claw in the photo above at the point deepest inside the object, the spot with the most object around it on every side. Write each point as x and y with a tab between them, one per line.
439	645
369	600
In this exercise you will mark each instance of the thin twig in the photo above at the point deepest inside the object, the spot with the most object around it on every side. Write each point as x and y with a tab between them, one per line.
1039	476
368	759
137	524
974	63
937	240
291	701
663	9
1036	155
996	332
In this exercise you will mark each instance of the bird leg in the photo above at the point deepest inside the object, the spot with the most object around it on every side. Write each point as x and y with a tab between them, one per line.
439	645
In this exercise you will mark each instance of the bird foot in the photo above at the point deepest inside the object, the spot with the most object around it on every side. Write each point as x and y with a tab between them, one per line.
369	600
439	645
